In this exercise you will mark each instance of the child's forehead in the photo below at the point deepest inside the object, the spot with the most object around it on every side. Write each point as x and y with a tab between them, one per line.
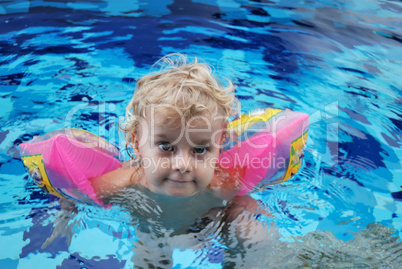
198	129
173	119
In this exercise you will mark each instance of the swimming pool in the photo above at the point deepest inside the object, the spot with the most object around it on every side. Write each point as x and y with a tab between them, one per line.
74	64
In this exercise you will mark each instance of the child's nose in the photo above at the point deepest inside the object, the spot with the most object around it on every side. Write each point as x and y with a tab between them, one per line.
182	162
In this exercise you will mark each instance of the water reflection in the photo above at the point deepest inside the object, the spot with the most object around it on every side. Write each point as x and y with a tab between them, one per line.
244	241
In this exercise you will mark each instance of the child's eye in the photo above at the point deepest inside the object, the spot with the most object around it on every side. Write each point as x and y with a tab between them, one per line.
166	147
200	150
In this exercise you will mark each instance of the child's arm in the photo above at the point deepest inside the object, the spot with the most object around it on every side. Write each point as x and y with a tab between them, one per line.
244	215
226	182
113	181
63	226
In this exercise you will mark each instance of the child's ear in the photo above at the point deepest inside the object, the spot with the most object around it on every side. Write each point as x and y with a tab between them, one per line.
225	133
134	141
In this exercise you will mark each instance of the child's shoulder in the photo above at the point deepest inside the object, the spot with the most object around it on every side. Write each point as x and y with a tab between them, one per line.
226	183
115	180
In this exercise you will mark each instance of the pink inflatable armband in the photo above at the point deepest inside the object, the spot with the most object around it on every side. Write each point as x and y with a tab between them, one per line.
62	162
266	146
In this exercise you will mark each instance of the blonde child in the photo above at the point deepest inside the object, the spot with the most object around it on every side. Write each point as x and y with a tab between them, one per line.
177	122
178	195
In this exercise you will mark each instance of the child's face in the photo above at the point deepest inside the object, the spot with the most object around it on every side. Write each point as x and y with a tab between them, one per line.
179	160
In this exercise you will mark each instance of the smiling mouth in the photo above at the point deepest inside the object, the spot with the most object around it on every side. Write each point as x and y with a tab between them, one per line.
179	181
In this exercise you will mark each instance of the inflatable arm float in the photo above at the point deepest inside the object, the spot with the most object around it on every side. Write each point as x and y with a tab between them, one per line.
266	145
62	162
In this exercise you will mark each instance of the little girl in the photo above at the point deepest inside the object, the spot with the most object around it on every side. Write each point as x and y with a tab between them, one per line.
177	122
173	187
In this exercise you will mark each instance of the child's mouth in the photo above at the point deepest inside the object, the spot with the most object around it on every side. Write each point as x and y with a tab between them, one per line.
178	181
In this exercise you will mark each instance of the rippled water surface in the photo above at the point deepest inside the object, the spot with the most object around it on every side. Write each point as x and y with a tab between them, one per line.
74	64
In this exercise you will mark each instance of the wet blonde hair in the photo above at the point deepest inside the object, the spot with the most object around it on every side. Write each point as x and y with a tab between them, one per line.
187	86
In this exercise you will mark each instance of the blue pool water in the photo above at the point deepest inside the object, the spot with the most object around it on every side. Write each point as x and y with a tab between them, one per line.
74	64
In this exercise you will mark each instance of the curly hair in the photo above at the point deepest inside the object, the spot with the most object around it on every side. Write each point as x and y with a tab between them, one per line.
179	88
